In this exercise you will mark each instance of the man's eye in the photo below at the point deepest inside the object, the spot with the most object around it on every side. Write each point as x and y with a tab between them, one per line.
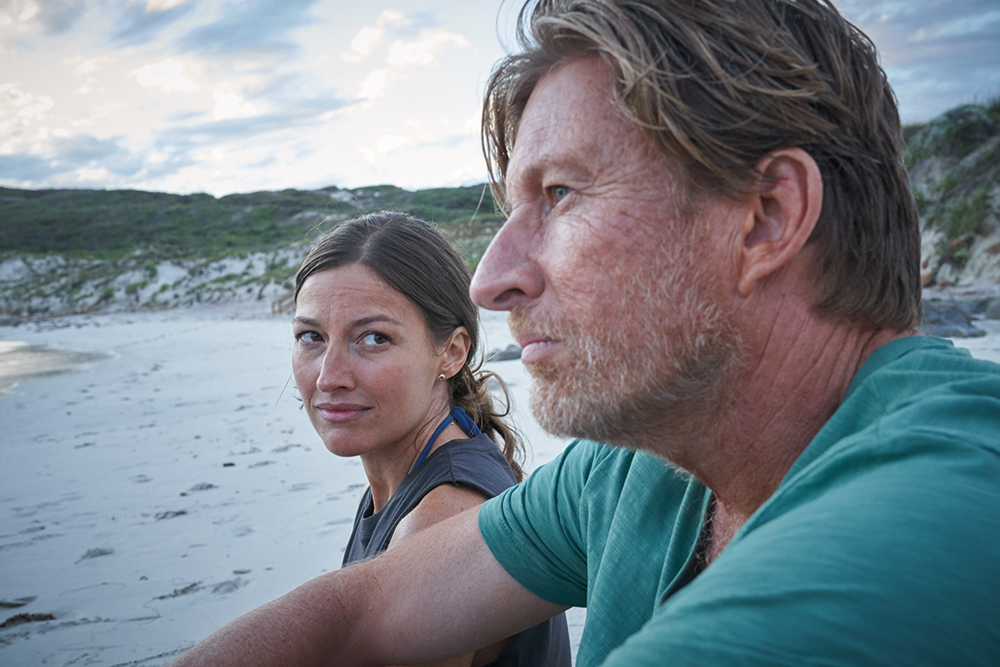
560	192
375	338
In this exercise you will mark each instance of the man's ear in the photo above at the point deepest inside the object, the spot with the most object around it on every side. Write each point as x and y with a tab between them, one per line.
783	215
456	350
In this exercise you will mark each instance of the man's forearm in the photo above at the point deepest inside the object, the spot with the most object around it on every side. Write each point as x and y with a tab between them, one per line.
310	626
438	595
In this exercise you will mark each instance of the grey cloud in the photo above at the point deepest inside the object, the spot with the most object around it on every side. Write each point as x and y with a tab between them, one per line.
269	161
65	155
58	16
303	113
937	54
140	26
32	168
85	150
177	161
925	30
253	25
183	116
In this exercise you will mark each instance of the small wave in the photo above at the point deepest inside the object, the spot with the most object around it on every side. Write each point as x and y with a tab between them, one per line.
20	361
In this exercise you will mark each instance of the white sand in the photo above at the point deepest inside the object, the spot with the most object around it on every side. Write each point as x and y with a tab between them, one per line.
101	519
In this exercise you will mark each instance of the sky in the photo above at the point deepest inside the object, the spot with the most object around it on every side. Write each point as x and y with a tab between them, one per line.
224	96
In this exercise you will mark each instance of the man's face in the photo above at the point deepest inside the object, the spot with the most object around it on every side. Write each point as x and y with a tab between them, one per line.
615	299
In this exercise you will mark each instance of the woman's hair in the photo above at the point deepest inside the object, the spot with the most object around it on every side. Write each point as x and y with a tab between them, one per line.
416	260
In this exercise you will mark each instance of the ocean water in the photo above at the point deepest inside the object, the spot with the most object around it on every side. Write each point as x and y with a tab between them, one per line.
20	361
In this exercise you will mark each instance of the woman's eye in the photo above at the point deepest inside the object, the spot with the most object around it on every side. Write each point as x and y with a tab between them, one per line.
560	192
374	338
308	337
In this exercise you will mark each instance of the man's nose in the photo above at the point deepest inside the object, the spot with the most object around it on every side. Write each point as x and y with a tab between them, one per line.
508	274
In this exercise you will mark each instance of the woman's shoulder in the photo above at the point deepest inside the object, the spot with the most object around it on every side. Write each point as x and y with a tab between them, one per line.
475	462
442	502
458	475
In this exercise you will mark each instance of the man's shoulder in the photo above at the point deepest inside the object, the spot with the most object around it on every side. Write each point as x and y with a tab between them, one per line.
915	364
910	386
602	465
927	389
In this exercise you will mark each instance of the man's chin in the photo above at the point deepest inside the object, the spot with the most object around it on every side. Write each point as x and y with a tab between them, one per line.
563	412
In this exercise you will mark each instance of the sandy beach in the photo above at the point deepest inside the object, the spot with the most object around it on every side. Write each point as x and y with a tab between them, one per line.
171	482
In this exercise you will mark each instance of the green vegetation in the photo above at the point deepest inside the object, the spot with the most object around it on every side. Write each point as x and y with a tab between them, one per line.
109	225
964	146
961	219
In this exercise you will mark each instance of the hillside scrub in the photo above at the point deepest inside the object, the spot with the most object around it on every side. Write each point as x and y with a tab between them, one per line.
66	251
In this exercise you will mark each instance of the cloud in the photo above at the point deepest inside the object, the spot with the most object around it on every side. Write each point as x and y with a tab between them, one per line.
303	113
18	107
80	154
936	54
168	75
23	17
423	50
363	44
84	150
391	142
25	168
371	36
58	16
374	84
84	67
257	26
231	105
401	53
141	23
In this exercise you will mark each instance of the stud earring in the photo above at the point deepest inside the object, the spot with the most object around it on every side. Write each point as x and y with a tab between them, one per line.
441	377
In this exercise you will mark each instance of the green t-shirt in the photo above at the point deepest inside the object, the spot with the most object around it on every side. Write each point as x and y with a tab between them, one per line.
880	547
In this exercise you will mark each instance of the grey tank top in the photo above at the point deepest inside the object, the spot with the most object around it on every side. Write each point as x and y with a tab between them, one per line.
478	464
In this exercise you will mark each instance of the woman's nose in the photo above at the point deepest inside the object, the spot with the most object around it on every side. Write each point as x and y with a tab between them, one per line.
335	371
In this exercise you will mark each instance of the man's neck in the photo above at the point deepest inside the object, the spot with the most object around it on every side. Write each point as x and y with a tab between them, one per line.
794	377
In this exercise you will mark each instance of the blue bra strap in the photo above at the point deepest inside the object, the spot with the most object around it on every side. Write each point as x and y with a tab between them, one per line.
463	420
457	415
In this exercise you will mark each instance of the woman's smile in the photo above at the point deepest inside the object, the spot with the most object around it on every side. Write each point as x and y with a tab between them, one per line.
341	412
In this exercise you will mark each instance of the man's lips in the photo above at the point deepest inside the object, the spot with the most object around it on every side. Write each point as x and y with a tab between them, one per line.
534	347
340	412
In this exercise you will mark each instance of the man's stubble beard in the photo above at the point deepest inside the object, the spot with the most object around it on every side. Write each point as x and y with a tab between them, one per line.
652	372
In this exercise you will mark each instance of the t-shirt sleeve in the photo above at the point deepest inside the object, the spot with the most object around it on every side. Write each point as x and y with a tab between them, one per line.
537	529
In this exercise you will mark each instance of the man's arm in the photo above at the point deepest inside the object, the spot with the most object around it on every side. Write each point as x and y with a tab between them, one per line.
437	595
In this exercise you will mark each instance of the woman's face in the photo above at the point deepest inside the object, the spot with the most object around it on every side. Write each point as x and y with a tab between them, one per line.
365	365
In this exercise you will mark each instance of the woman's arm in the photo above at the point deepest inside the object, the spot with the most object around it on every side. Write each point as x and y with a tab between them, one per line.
439	594
442	502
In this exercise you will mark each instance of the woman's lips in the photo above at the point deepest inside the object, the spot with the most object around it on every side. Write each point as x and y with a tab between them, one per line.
340	412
